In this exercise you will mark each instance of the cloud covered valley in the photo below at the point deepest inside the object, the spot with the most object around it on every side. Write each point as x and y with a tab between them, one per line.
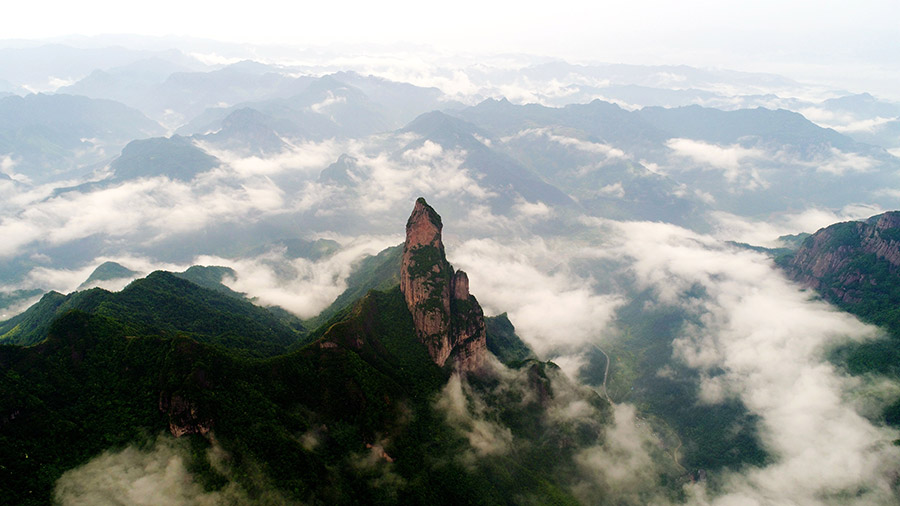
631	222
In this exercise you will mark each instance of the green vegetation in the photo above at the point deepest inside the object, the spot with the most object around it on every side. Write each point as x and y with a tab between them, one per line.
212	277
85	389
643	372
106	271
793	241
864	284
423	260
428	263
380	272
773	252
503	342
8	299
175	157
840	234
98	383
166	305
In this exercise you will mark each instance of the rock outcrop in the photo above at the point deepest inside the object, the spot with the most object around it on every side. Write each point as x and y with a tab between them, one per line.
184	416
447	318
839	259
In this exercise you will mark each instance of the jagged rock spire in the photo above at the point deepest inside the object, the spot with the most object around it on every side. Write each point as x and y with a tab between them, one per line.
448	320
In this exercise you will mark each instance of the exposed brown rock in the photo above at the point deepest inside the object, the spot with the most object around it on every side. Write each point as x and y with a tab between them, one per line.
184	417
829	253
448	320
460	285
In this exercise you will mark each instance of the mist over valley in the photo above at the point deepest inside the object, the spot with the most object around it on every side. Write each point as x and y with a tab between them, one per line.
238	273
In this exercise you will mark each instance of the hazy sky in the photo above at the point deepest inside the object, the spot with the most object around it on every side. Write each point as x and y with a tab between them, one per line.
845	40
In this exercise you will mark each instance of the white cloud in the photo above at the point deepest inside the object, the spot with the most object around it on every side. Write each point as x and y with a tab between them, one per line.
766	341
844	122
54	82
733	160
614	190
7	164
306	157
553	307
825	118
214	58
427	170
144	210
327	102
652	167
157	475
705	197
606	150
766	232
840	163
527	209
65	281
134	477
623	463
427	152
865	125
304	287
486	437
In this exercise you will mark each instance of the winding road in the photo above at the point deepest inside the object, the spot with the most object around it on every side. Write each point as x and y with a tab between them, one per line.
606	394
605	375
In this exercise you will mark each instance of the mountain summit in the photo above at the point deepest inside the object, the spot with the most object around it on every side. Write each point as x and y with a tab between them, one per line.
448	320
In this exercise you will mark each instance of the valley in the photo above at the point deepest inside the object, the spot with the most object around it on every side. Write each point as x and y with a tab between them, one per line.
369	279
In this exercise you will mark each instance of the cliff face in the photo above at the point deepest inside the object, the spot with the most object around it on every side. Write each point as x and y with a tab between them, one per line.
184	416
843	260
448	320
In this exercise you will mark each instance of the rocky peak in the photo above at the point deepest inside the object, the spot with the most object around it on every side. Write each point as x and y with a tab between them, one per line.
460	286
423	228
448	320
888	220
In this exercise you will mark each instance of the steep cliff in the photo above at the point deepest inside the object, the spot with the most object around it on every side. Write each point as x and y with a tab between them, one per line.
855	265
448	320
846	260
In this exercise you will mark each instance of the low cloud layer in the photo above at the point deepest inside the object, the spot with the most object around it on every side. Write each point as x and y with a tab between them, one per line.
757	338
734	161
844	121
553	306
763	341
596	148
744	168
428	169
142	210
151	476
766	232
306	158
628	462
467	412
302	286
839	163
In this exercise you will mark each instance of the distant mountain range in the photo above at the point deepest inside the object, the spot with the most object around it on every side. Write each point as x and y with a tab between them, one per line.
208	297
52	137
